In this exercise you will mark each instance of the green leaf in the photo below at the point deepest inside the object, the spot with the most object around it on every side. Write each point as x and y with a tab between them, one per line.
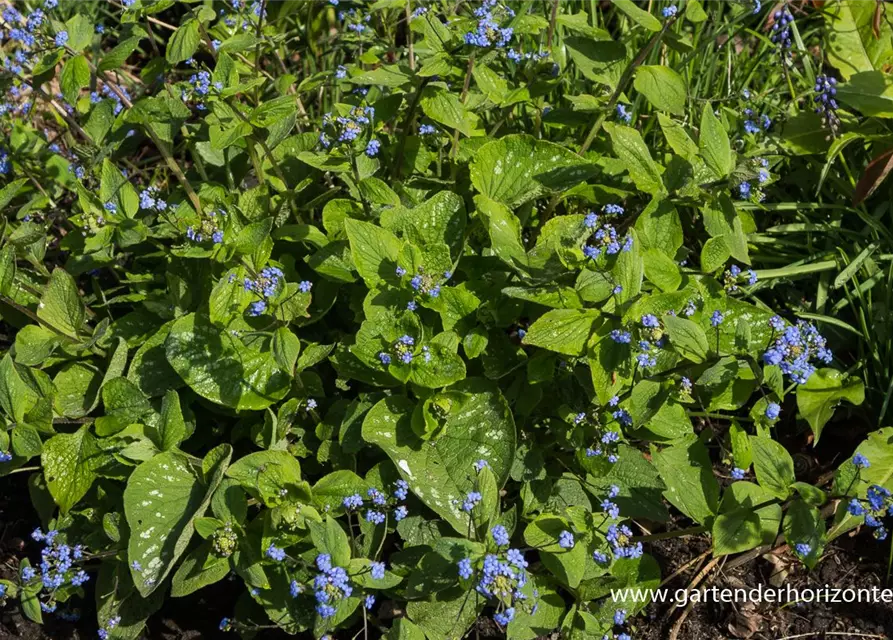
199	568
714	144
634	154
16	397
61	306
870	92
570	565
714	254
329	537
184	43
661	270
825	388
519	168
71	462
853	45
447	615
74	77
286	347
599	60
805	524
479	425
688	473
330	490
563	330
375	251
773	465
162	498
271	476
445	107
171	427
687	338
664	88
739	526
218	366
117	598
638	15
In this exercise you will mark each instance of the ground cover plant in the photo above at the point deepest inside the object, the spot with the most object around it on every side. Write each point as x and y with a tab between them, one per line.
427	320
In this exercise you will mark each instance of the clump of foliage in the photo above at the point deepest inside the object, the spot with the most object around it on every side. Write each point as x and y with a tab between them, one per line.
408	313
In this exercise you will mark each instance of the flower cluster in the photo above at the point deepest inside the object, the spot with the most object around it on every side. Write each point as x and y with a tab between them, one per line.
224	541
623	114
199	87
733	275
106	93
354	20
877	505
488	32
518	57
501	575
404	349
825	102
345	130
103	633
423	283
331	585
149	200
604	238
207	228
59	565
380	503
267	285
606	439
622	546
795	349
781	32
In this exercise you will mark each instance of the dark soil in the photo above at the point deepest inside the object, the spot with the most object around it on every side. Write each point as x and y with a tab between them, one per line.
856	562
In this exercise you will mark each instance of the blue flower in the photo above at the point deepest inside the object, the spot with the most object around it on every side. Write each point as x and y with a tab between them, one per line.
650	320
304	286
825	101
5	456
773	409
385	358
621	337
372	148
341	72
275	553
354	501
400	513
669	12
500	535
375	517
861	461
716	319
619	616
378	570
566	540
480	464
471	500
369	602
257	308
295	588
61	38
623	114
802	548
401	489
744	190
465	569
427	130
505	617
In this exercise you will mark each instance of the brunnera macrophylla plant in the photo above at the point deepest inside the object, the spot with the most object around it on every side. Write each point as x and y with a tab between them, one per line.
414	303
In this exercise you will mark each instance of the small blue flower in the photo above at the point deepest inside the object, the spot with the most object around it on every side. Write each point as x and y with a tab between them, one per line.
354	501
465	570
623	114
305	286
61	38
738	473
378	570
505	617
566	540
861	461
369	602
500	535
669	12
275	553
716	319
427	130
773	409
372	148
803	548
619	616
